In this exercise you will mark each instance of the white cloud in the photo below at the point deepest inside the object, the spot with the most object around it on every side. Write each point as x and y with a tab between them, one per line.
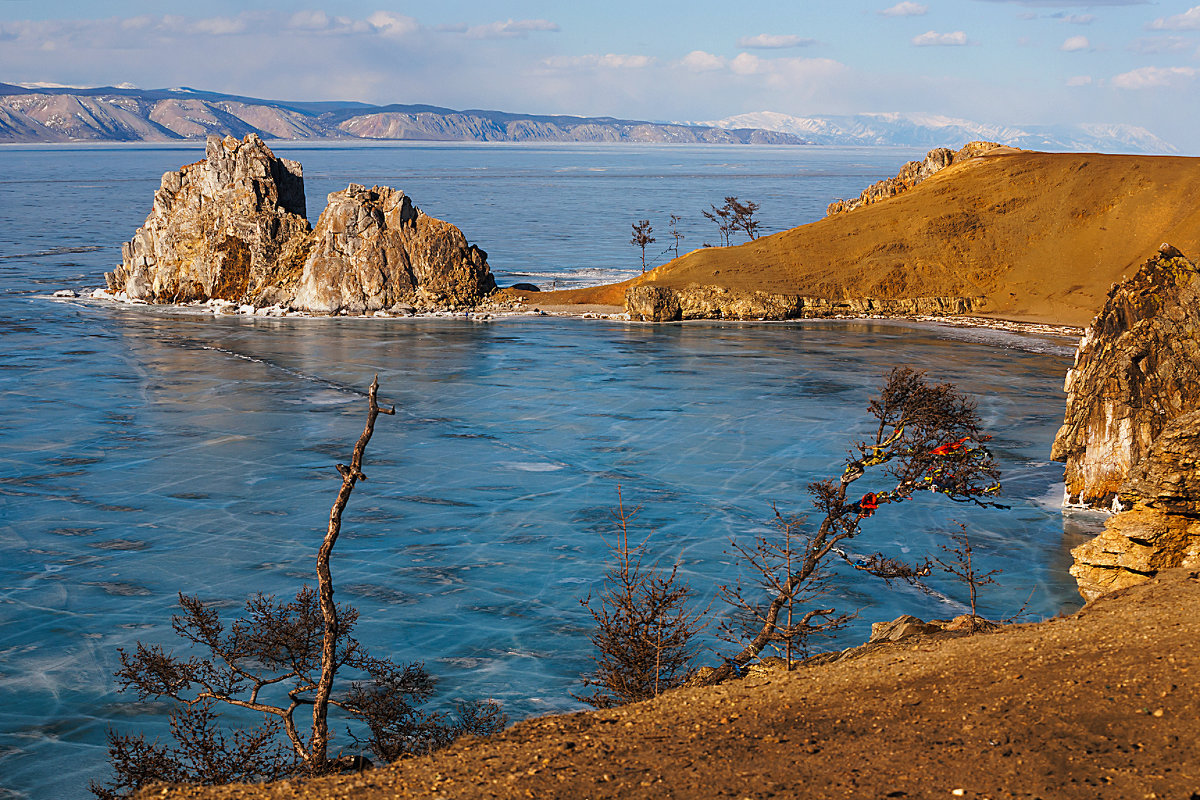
511	29
905	9
1187	21
1075	43
607	61
1080	80
935	39
770	41
388	23
700	61
1079	19
1154	77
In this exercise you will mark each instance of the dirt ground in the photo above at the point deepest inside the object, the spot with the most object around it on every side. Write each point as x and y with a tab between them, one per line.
1101	704
1042	235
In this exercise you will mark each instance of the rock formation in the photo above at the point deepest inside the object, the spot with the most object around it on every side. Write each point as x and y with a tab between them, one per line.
654	303
910	175
372	249
1137	367
1162	529
233	227
1131	435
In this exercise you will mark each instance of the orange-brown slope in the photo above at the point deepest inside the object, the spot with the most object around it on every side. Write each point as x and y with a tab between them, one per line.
1042	235
1103	704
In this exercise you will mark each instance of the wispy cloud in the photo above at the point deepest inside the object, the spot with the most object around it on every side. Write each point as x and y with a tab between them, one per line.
1072	3
1075	44
1153	45
607	61
1154	77
511	29
1187	21
905	9
1074	19
772	41
1079	80
935	39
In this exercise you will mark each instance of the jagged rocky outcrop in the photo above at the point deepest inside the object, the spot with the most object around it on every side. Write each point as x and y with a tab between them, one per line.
655	303
1131	435
233	227
1162	529
911	174
1137	367
373	249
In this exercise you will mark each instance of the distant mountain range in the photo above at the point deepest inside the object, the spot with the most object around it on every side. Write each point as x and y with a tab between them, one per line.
126	114
40	113
931	130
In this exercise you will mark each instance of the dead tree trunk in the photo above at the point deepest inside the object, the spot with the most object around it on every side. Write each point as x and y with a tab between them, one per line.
350	475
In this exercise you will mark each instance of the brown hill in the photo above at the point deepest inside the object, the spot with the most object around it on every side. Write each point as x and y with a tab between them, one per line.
1042	235
1102	704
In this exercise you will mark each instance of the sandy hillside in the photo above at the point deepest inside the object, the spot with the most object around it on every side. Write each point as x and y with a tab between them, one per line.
1042	235
1102	704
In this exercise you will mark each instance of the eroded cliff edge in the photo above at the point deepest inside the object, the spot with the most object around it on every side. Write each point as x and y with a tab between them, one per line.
1131	433
233	227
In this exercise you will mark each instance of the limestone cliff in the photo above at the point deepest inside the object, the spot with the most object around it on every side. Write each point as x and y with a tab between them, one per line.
1131	435
1162	529
233	227
1137	368
654	303
910	175
373	249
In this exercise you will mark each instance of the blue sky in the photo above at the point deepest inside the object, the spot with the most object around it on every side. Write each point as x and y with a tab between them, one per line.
998	61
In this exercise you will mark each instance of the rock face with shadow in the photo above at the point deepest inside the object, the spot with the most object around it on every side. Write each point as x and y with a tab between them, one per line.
233	227
373	249
1131	434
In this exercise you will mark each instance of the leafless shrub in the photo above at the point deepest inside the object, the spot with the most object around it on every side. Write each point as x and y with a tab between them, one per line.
773	560
645	626
960	562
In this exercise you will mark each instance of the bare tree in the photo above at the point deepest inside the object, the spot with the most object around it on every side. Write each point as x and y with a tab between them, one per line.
742	217
723	218
926	437
774	559
642	237
673	227
960	563
734	216
645	629
278	659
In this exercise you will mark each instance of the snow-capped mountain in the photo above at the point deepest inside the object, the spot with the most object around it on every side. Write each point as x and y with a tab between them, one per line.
932	130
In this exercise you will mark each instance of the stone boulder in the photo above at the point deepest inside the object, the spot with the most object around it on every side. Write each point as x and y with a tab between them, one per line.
373	249
232	226
1136	369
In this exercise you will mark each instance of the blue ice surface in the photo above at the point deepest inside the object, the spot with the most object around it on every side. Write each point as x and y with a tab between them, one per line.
146	452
